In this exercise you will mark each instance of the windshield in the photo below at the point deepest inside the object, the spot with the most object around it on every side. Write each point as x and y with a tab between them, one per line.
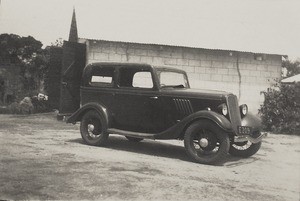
172	79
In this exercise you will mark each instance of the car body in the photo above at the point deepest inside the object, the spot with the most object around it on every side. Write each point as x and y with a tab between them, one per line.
143	101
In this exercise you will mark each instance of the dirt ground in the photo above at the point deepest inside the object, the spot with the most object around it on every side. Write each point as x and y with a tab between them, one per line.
42	158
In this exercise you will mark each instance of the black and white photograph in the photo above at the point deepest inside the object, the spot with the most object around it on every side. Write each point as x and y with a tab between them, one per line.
150	100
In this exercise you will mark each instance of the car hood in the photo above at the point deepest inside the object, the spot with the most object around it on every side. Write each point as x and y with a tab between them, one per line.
194	93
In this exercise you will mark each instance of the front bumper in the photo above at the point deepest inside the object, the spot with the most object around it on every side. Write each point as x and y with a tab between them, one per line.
244	138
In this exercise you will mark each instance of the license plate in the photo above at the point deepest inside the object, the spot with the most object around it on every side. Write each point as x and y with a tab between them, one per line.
244	130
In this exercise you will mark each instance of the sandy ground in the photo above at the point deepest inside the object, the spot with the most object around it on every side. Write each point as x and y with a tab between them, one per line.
42	158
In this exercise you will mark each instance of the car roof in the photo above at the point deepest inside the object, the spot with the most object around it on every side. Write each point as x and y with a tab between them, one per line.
118	64
139	65
167	68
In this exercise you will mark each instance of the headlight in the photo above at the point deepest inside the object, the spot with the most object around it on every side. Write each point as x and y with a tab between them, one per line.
223	109
244	109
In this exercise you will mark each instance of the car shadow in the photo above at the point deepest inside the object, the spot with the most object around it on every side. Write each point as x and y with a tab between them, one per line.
162	149
234	161
148	147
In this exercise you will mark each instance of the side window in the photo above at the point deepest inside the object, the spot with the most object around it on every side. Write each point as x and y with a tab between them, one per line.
135	78
102	77
172	79
142	80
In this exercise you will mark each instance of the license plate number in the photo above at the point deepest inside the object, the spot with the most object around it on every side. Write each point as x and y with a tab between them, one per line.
244	130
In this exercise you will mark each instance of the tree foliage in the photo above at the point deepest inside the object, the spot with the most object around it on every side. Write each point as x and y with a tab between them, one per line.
58	43
26	52
280	111
292	68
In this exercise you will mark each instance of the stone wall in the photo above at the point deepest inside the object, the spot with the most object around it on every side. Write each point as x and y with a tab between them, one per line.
242	73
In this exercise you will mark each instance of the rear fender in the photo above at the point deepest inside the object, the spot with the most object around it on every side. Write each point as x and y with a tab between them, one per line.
101	109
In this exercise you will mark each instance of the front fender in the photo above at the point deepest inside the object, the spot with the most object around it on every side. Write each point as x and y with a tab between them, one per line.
219	119
252	121
101	109
256	135
177	131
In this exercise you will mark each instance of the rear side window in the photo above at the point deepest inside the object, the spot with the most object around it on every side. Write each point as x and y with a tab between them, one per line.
102	77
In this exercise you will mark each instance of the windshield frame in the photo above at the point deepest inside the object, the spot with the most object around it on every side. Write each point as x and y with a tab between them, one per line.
161	70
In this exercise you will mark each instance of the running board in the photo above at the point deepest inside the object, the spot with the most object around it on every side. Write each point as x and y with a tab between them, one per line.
130	133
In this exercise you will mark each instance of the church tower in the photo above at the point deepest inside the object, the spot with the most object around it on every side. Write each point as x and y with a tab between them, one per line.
73	36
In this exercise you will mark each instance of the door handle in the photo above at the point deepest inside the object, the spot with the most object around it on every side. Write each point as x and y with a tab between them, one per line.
154	97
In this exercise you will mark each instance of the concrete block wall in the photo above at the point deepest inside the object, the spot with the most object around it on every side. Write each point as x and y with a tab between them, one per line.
242	73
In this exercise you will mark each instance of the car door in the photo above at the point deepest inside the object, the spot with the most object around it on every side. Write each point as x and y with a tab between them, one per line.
137	100
98	86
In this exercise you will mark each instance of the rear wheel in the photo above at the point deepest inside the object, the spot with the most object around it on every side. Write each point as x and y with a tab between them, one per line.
134	139
205	142
244	149
93	129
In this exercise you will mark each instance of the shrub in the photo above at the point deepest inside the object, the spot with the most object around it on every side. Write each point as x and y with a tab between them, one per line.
280	111
14	108
27	106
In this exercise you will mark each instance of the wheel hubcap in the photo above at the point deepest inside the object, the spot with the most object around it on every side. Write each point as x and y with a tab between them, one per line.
91	127
203	142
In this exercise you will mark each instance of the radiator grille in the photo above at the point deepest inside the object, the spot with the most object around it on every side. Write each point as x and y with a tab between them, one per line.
183	106
234	112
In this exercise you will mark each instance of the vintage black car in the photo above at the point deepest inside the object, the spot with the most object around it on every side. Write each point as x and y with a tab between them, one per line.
141	101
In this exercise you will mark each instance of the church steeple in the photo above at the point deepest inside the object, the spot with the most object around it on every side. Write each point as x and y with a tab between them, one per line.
73	36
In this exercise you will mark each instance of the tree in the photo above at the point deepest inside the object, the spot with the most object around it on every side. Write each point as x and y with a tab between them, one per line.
26	52
292	68
58	43
280	111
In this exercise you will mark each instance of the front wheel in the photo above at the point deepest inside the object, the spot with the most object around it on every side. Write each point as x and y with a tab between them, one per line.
93	128
244	149
205	142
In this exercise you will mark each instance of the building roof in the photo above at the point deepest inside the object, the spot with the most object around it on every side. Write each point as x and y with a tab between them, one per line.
193	47
73	37
292	79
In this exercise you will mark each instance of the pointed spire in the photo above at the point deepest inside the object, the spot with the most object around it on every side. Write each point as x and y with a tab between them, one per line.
73	36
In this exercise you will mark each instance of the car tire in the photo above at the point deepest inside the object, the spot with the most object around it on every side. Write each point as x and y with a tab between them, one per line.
245	149
93	129
134	139
206	143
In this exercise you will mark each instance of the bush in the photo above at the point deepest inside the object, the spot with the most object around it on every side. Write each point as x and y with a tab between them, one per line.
280	111
14	108
27	106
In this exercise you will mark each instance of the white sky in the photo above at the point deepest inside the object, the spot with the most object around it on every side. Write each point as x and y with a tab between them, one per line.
269	26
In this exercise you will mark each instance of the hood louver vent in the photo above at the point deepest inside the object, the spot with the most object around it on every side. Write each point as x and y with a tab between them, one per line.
184	106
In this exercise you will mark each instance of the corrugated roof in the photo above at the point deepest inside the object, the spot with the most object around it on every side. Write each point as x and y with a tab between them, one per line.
295	78
193	47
